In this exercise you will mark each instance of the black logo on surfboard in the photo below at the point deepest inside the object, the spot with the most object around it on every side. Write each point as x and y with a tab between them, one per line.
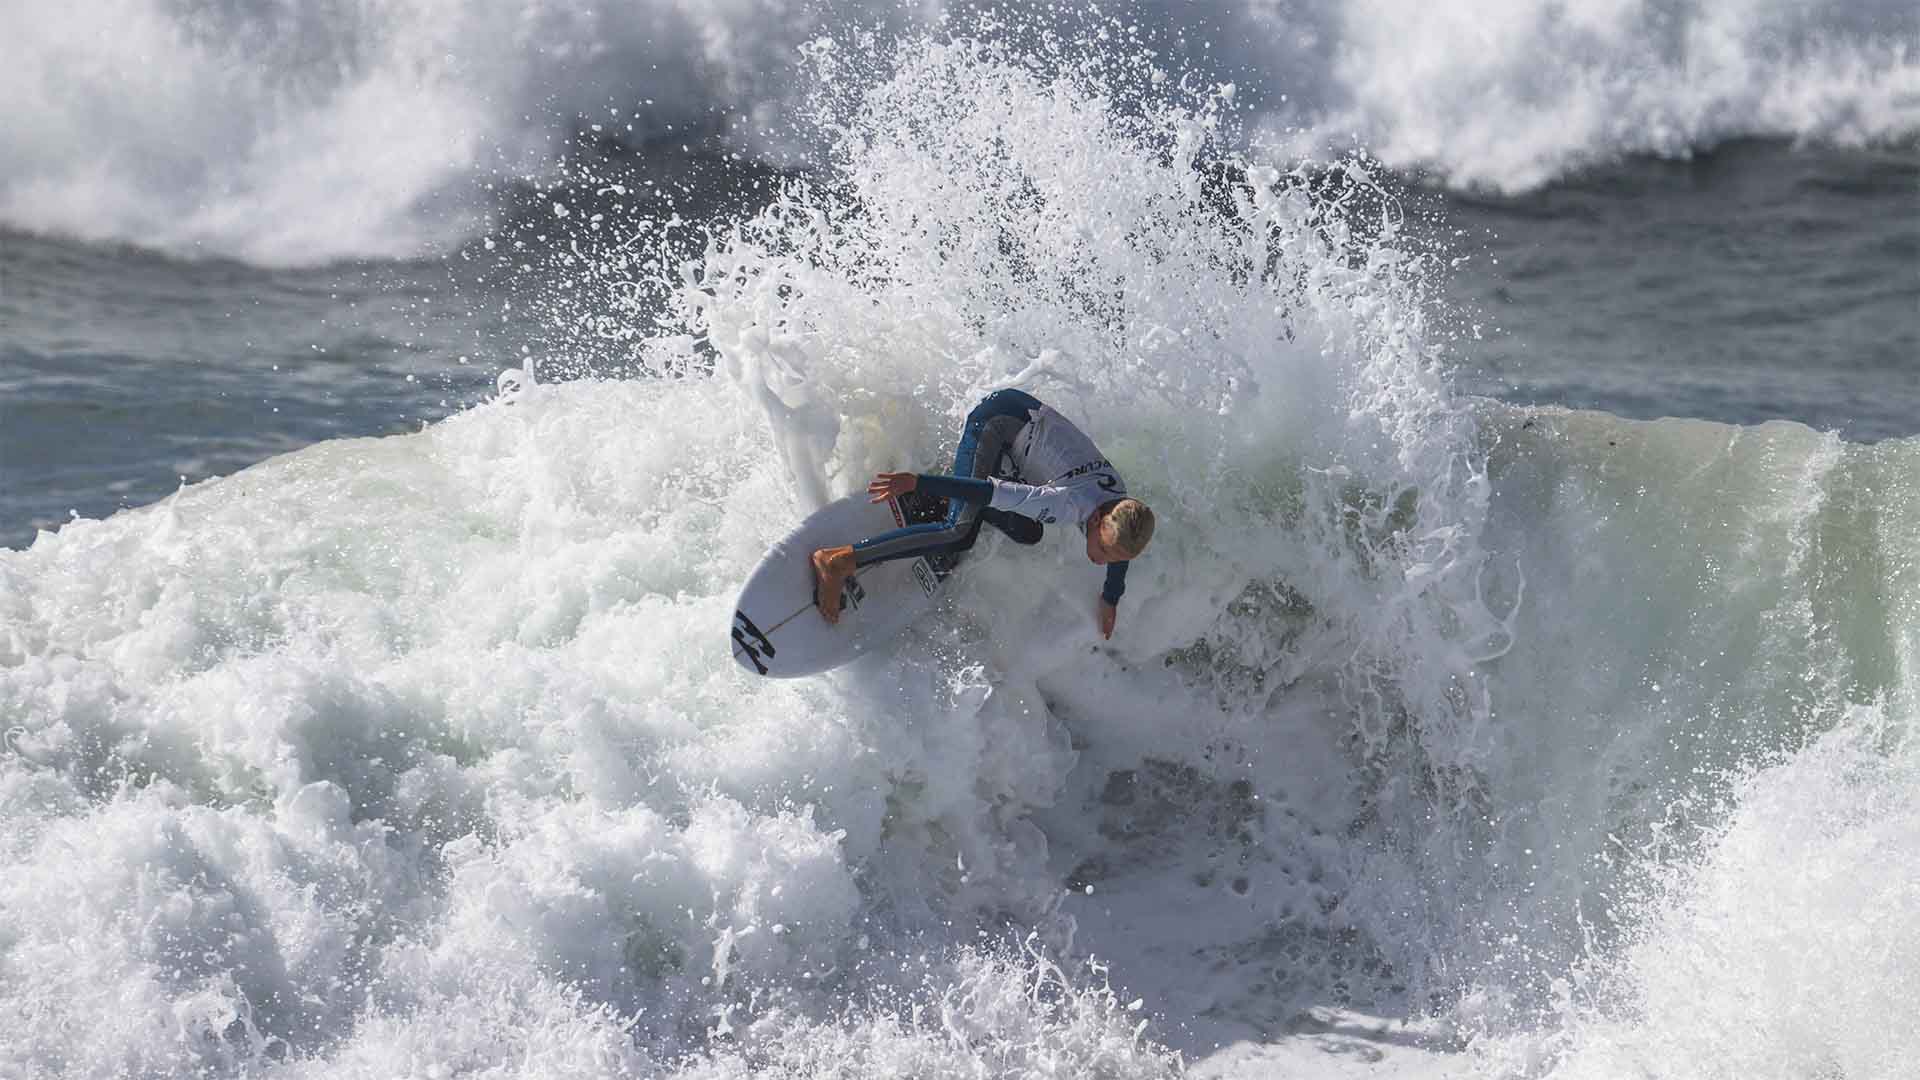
927	578
749	638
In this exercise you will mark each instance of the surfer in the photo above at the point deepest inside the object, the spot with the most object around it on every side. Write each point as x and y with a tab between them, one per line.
1052	473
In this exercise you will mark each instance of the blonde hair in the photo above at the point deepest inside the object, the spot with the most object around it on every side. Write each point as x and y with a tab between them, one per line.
1132	525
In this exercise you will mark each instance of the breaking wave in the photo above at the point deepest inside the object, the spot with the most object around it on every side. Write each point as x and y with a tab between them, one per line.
310	133
1531	738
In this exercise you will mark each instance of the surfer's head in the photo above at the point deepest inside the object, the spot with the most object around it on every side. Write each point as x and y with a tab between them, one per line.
1119	531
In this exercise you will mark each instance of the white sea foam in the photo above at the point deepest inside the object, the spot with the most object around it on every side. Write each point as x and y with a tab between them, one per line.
303	135
422	755
1510	94
1746	969
310	133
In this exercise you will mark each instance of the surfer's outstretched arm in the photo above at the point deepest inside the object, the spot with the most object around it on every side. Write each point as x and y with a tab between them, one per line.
892	485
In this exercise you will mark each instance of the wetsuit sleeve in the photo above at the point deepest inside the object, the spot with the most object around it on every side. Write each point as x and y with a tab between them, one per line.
1045	505
1116	582
976	492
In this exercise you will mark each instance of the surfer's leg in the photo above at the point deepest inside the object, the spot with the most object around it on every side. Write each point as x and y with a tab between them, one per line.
989	430
932	538
1020	530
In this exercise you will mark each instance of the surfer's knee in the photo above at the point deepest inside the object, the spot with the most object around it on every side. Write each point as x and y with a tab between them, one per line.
1006	401
1021	530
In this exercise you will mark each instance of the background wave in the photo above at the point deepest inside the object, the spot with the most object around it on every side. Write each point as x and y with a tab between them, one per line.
299	135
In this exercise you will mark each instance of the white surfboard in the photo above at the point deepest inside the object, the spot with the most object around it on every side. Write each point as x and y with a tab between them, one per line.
777	632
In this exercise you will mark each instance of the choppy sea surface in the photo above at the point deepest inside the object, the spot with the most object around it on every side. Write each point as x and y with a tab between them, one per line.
1523	682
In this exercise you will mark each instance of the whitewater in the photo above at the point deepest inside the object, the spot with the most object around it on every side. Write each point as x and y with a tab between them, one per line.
295	135
1439	737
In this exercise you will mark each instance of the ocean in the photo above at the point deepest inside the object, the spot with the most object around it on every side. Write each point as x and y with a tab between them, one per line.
1522	682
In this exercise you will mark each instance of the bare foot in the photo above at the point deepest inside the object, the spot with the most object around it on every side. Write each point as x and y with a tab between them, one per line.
831	568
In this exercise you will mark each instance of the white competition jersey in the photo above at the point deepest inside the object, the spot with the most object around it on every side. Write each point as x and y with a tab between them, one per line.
1062	476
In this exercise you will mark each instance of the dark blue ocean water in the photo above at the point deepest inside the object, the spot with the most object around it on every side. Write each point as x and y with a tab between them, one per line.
1750	282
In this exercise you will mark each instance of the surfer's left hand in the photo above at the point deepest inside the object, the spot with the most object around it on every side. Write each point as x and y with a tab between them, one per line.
891	485
1108	613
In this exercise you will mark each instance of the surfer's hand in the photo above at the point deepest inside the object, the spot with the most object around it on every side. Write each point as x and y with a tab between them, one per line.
1108	613
892	485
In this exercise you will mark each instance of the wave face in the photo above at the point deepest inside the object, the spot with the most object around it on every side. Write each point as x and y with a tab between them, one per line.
303	134
1568	742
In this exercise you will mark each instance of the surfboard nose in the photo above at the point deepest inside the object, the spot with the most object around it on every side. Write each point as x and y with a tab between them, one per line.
750	647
